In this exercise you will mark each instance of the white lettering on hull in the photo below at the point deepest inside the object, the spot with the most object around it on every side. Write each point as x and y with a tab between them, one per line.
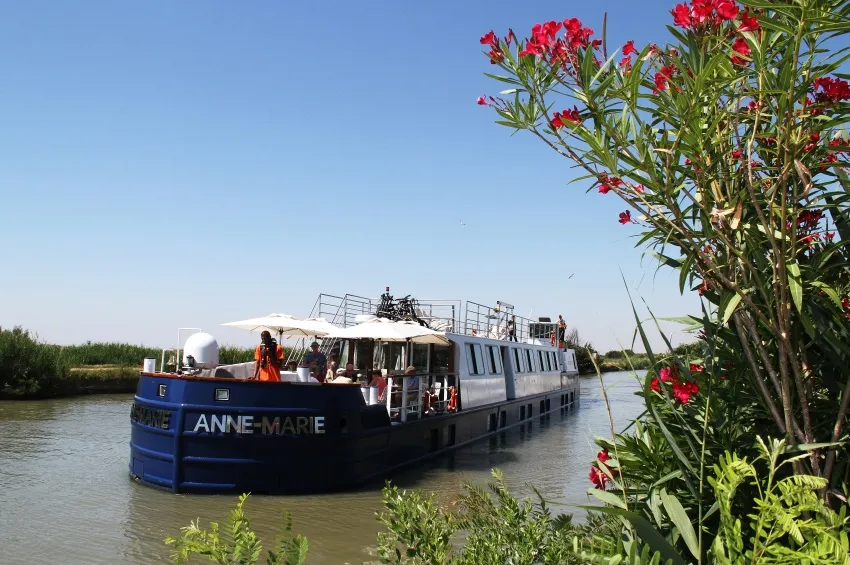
243	425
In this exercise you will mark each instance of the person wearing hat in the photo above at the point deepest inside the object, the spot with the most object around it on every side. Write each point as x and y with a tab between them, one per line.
268	358
341	378
317	357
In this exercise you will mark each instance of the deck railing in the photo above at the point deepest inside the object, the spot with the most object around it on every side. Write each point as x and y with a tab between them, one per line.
403	401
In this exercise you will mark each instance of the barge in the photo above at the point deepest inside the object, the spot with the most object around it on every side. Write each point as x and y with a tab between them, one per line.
201	427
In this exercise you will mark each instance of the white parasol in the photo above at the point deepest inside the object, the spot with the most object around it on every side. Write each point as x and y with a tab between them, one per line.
381	329
286	325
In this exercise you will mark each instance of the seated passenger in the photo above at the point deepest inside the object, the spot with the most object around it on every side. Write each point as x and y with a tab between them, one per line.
412	382
292	366
379	381
317	357
314	372
350	372
332	372
341	378
267	359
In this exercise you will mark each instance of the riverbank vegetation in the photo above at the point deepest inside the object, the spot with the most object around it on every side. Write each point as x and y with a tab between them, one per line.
30	368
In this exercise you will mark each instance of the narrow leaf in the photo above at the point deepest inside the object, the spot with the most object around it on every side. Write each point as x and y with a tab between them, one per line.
795	285
730	308
680	519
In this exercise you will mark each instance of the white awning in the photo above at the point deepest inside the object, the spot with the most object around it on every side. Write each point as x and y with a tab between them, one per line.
284	324
382	329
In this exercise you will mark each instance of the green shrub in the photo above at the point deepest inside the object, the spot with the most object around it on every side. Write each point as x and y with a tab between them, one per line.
27	366
237	543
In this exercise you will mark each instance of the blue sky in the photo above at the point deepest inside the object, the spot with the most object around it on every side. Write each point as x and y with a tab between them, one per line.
190	163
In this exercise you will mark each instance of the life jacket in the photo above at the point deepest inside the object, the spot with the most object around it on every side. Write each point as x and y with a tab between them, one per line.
552	338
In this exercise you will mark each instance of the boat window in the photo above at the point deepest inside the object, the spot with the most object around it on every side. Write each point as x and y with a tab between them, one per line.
389	356
554	360
419	357
548	361
474	359
441	359
517	363
495	360
529	360
543	366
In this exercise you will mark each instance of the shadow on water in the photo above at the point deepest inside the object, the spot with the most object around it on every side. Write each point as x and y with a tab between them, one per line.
63	466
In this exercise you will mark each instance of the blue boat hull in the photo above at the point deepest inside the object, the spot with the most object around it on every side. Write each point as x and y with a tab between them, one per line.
281	438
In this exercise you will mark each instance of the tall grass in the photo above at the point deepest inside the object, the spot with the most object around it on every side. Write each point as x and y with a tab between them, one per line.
128	355
27	366
101	353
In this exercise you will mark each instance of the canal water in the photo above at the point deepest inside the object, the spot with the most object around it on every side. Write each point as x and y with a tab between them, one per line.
65	496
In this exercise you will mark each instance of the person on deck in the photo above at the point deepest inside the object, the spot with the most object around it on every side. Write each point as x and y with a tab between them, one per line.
379	381
562	330
332	372
317	357
268	358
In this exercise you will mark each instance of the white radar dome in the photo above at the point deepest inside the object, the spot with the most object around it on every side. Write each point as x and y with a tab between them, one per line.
203	348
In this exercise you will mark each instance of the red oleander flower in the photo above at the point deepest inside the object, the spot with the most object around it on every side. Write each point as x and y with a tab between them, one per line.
665	374
655	385
608	183
749	23
683	391
598	478
626	64
662	76
726	9
496	55
682	16
489	38
741	47
696	368
482	101
737	155
701	10
639	188
629	48
626	217
833	90
603	456
560	119
510	37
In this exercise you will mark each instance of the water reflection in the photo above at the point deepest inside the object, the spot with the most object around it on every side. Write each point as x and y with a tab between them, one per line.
63	472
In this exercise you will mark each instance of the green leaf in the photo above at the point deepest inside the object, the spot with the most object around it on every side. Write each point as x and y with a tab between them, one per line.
680	519
795	285
730	307
804	447
645	531
607	497
669	261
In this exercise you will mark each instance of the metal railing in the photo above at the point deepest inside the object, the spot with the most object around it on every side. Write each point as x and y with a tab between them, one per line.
451	316
410	402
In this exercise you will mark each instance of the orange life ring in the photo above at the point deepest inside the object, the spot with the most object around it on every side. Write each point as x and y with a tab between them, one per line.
552	338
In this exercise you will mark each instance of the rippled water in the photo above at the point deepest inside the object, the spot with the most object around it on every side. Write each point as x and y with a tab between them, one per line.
65	496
